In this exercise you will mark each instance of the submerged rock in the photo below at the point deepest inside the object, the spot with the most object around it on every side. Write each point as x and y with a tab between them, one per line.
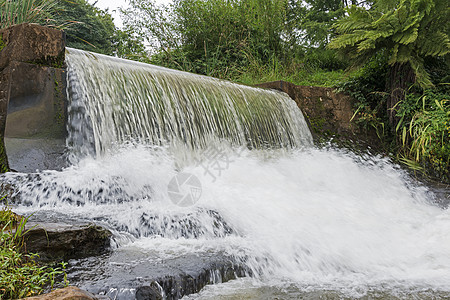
152	292
130	273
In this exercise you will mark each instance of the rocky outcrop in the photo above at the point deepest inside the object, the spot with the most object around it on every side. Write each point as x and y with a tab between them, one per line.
63	241
32	98
68	293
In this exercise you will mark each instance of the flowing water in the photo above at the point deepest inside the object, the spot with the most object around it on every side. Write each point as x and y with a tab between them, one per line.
181	164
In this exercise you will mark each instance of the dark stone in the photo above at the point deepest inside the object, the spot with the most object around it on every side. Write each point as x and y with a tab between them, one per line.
36	116
32	43
128	273
150	292
63	241
5	82
32	98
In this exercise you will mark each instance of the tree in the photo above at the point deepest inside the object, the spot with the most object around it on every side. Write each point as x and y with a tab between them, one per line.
87	27
407	33
90	28
205	36
318	21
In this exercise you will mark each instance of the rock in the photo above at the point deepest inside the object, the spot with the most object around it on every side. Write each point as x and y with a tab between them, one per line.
329	113
32	43
133	273
150	292
63	241
32	98
35	128
68	293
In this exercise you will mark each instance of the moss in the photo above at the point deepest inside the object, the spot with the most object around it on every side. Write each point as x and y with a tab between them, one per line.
4	167
50	61
317	124
59	100
2	43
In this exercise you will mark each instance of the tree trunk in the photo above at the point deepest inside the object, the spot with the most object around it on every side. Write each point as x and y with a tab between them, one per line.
401	77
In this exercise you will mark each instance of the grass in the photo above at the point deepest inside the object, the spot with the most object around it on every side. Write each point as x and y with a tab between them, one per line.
24	11
319	77
20	274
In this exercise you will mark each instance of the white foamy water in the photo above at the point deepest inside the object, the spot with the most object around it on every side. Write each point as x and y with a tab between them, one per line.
312	218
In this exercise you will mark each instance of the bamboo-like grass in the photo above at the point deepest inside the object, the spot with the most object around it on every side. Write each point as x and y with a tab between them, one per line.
14	12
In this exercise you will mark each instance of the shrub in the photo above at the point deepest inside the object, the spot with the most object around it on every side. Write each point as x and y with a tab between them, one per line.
424	128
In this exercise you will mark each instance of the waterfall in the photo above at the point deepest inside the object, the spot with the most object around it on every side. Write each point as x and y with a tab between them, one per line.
180	164
114	100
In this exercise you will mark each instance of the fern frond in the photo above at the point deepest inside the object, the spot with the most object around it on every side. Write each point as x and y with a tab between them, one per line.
434	44
348	39
406	37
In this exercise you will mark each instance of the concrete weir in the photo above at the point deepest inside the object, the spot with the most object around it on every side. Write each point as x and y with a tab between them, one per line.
32	98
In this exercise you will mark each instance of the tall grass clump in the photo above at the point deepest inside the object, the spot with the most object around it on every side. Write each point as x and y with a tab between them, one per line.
424	131
13	12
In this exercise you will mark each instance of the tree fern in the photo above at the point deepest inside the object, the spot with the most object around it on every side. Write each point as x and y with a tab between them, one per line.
410	31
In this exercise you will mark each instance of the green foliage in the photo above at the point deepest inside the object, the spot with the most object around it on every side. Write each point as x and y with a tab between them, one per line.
213	37
87	27
126	44
248	41
367	87
13	12
20	275
425	131
299	76
323	59
319	19
3	158
412	31
90	28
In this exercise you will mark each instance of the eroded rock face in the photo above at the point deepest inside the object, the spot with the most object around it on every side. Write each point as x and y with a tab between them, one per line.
329	112
63	241
68	293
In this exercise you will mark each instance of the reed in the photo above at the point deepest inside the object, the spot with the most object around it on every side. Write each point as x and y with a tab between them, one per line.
13	12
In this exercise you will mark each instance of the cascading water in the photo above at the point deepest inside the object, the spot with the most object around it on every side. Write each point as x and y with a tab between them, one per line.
306	222
115	100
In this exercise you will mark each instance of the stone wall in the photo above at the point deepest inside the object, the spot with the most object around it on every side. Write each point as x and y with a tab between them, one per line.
32	96
328	113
